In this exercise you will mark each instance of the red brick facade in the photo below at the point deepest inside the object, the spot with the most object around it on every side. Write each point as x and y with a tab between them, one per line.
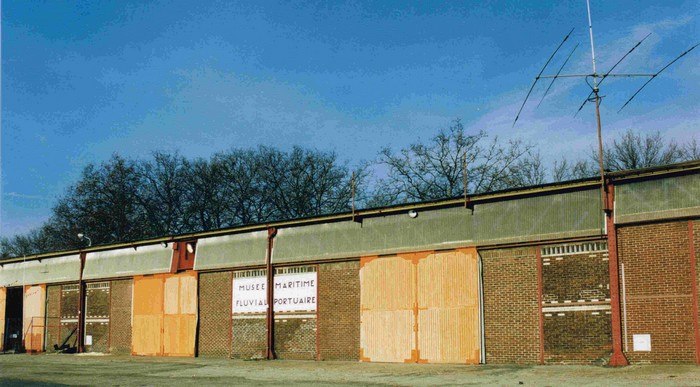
576	306
215	314
97	312
339	311
295	338
53	316
696	239
249	339
120	317
70	303
658	288
526	293
511	310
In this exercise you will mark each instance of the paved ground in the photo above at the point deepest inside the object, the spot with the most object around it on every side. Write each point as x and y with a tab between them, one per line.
42	370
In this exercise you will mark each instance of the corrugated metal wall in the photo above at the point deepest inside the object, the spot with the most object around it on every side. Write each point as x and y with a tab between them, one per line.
670	197
420	307
561	215
127	262
46	271
246	249
33	321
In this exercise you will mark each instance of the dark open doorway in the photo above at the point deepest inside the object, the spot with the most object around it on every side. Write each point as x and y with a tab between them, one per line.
13	320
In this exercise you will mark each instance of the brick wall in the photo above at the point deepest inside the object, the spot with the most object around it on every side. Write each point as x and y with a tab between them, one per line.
295	338
97	315
249	339
120	317
581	283
215	314
53	316
70	305
696	238
249	330
578	337
658	290
339	311
511	310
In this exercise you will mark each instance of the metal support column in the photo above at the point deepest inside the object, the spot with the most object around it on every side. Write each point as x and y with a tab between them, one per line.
618	357
270	353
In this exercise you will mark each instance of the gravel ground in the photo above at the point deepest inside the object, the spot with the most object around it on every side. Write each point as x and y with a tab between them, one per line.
53	369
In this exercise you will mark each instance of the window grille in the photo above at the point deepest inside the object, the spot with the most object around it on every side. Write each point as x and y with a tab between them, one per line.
574	248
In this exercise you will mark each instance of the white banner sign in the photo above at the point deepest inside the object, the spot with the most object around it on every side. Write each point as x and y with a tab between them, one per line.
294	292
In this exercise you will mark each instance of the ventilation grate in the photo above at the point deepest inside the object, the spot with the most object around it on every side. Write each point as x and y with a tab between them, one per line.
575	248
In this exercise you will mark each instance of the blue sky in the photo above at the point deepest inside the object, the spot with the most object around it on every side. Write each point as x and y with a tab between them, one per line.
82	80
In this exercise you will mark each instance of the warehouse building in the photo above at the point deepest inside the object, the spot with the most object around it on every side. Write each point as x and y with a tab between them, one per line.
577	272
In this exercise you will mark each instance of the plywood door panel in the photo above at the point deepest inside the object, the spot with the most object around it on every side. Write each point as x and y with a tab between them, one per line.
387	336
148	295
188	293
171	295
180	319
146	335
33	319
179	333
3	298
147	338
387	299
448	307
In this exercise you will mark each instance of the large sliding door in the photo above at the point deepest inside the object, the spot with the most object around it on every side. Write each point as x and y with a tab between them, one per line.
421	307
387	299
33	320
165	314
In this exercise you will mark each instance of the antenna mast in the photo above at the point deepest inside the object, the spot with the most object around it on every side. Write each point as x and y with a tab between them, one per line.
596	97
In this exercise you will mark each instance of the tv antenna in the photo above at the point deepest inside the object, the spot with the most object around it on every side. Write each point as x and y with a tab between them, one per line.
594	80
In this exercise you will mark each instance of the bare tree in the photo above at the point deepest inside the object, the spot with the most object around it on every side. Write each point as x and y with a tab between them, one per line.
433	170
528	170
633	151
161	192
567	170
306	182
691	150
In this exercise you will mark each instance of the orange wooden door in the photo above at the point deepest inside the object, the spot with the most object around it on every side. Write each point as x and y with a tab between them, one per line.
147	328
180	314
448	307
387	288
3	298
421	307
33	317
165	315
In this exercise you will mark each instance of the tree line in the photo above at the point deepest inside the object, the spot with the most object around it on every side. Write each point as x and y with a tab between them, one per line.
123	199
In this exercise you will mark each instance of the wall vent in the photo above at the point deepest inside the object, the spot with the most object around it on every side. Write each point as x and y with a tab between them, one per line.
574	248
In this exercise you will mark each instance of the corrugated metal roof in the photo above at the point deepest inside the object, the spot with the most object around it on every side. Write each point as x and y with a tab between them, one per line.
692	167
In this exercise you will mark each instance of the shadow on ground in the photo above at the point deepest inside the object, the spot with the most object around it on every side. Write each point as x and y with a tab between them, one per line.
54	370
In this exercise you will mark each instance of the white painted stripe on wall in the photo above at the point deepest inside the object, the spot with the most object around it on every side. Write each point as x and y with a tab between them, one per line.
575	308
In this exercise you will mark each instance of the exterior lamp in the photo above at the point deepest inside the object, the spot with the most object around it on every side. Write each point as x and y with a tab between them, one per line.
82	236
